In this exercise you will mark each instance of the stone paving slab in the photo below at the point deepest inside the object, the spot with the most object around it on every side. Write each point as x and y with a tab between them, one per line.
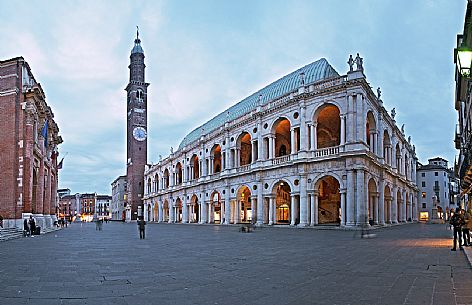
188	264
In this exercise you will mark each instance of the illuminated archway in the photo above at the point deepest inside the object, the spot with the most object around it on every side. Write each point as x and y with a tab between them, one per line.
215	208
329	200
216	154
372	208
194	210
281	129
283	209
245	146
195	167
371	130
243	210
178	174
178	210
328	127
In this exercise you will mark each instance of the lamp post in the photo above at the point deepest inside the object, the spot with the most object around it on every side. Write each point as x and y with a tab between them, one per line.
463	59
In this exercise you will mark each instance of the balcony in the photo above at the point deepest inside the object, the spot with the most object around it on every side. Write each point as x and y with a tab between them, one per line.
280	160
325	152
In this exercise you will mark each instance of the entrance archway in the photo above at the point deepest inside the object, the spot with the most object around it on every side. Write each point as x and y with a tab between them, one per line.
373	215
165	211
243	212
215	208
194	210
329	201
282	203
178	210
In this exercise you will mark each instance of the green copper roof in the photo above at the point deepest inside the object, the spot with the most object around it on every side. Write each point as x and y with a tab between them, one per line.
316	71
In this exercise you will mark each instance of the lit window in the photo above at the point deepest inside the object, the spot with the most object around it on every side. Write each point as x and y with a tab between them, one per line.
423	195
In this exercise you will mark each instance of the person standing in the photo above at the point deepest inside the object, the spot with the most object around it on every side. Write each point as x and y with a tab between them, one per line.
457	221
32	225
466	228
26	229
142	228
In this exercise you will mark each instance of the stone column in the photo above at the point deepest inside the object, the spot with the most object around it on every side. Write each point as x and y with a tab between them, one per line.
361	198
303	202
260	144
312	209
260	205
343	129
160	217
404	199
350	121
271	146
350	199
343	207
185	210
382	202
292	141
376	208
372	144
253	209
394	206
315	136
312	136
315	208
227	207
292	209
271	210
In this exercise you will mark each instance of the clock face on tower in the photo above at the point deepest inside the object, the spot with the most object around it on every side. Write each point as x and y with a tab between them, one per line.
139	133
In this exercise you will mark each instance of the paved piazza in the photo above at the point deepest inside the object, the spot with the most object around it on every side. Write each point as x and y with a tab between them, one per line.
195	264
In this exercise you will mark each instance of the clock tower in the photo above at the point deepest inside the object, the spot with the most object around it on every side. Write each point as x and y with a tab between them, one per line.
136	135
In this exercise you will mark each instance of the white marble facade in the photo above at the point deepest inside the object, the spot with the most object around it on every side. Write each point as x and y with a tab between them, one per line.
313	148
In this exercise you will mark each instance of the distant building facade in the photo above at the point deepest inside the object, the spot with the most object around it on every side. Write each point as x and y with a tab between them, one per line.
103	206
312	148
87	205
29	139
436	184
118	194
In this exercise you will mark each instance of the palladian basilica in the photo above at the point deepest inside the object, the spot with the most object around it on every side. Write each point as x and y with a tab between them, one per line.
312	148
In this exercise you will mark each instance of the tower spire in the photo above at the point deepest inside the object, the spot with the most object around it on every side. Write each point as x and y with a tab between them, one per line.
137	43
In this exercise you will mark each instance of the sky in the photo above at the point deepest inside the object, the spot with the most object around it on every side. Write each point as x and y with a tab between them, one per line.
204	56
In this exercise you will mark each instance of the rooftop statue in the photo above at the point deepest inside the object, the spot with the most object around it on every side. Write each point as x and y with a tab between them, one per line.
171	150
393	113
350	62
403	128
359	63
378	93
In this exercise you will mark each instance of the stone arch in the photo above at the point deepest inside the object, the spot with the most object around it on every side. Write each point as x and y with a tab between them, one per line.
387	147
399	204
244	145
156	183
329	200
282	131
327	120
398	157
166	178
155	211
194	209
149	213
194	167
371	131
282	209
165	210
388	204
149	185
216	208
178	210
215	154
178	173
373	199
242	209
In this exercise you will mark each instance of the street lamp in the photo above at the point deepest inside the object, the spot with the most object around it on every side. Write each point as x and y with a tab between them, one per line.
463	59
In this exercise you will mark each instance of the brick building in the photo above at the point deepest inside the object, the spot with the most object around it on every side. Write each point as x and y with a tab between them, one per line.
29	138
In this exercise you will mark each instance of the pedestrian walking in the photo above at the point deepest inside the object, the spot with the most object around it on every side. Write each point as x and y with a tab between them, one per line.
142	228
466	228
32	225
26	229
457	221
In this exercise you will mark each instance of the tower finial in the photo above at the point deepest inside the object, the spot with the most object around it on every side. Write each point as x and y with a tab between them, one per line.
137	32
